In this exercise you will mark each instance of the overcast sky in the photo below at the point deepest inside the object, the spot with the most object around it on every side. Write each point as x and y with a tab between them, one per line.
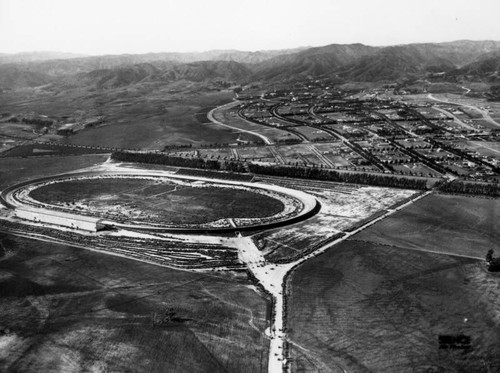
132	26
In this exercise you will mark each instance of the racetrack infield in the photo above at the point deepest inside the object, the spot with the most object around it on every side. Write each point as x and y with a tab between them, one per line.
161	200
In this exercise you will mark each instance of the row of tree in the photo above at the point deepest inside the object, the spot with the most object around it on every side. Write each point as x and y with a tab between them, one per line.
314	173
478	189
344	177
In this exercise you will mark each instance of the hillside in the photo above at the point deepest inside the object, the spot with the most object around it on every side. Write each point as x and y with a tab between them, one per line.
394	63
486	67
312	62
460	60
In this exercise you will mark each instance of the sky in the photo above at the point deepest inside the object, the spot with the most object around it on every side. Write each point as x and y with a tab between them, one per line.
97	27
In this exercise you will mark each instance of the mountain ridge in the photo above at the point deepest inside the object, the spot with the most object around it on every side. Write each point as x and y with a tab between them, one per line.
462	59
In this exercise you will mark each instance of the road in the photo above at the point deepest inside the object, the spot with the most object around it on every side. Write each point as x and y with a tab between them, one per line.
455	118
277	156
273	278
321	157
211	118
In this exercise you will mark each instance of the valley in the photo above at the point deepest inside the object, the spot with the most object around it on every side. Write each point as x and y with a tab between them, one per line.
314	209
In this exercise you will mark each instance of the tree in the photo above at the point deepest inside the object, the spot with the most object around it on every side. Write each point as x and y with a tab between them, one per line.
489	255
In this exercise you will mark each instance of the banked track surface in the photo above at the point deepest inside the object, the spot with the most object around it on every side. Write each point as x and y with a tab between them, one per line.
310	205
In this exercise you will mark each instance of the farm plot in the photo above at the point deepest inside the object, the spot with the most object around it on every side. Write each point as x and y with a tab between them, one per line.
67	309
261	154
442	223
298	154
314	134
158	200
333	152
215	153
365	307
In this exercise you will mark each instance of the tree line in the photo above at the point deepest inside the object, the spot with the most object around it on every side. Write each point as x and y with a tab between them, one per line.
314	173
478	189
167	160
343	177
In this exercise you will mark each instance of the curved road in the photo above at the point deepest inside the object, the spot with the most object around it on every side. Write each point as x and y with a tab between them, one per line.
211	118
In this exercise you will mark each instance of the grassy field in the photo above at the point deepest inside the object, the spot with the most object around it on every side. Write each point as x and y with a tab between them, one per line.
72	310
153	128
158	201
366	307
442	223
147	116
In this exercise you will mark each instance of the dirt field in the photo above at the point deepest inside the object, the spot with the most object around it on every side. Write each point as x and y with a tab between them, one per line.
72	310
442	223
365	307
162	201
342	207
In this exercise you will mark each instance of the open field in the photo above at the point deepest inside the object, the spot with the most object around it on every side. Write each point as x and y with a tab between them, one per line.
301	154
15	170
442	223
342	207
487	148
147	116
165	201
72	310
314	134
366	307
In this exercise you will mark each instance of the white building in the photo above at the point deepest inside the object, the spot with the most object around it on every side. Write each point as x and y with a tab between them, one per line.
39	215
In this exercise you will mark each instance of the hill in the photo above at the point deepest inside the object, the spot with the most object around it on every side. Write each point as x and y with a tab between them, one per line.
311	62
358	62
459	60
486	68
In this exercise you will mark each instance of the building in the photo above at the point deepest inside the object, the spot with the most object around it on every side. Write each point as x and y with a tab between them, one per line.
77	222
